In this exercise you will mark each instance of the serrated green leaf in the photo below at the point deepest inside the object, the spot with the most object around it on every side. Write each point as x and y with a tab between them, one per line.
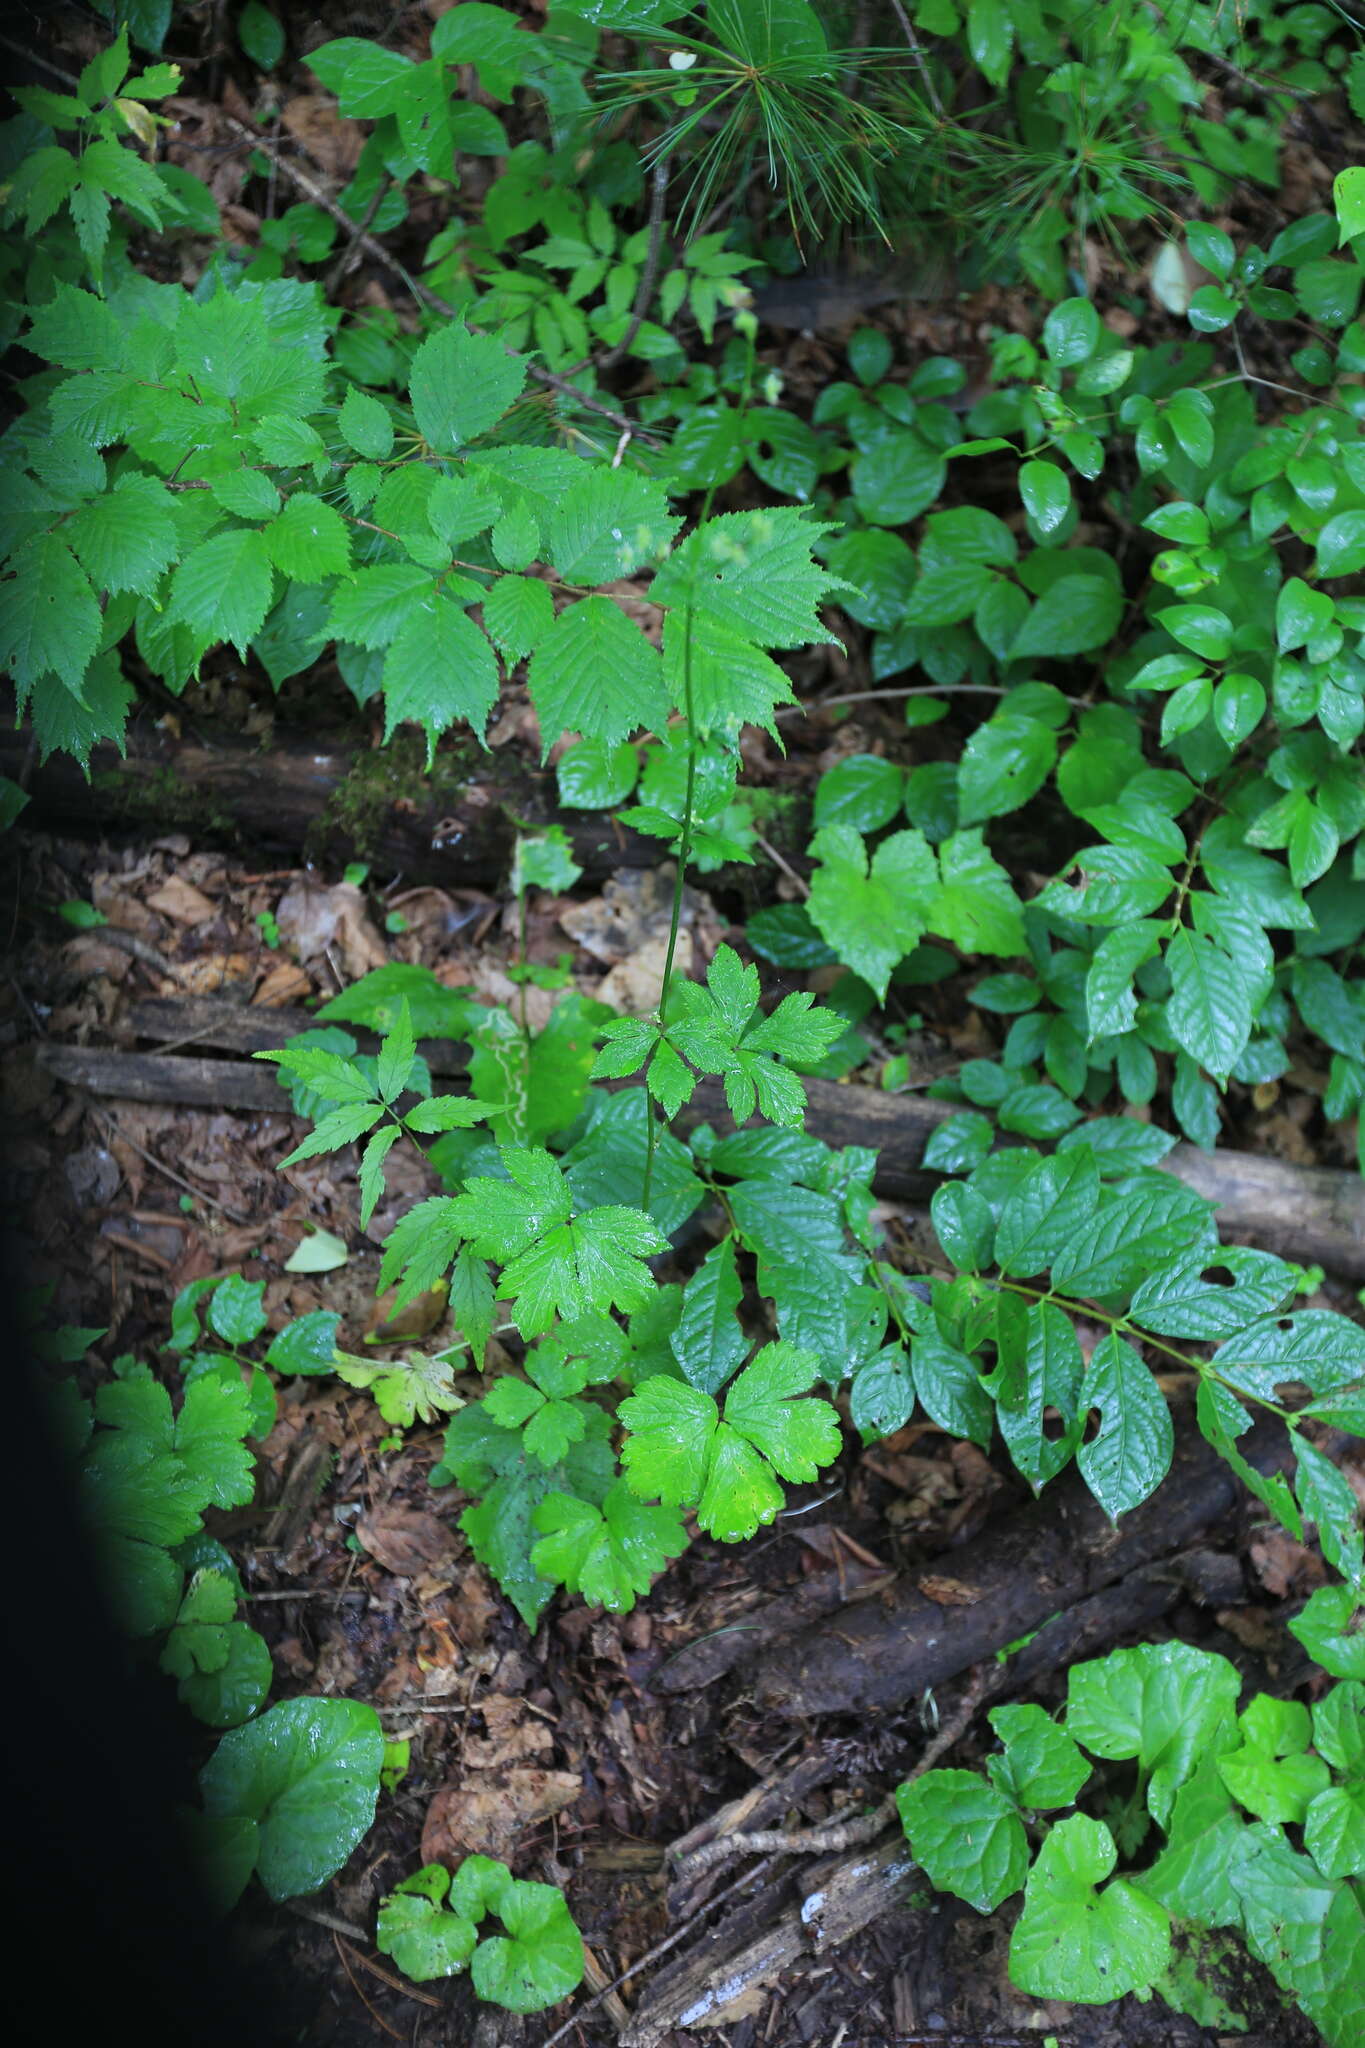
460	385
754	572
223	589
610	1553
308	540
49	618
966	1834
872	914
595	673
439	670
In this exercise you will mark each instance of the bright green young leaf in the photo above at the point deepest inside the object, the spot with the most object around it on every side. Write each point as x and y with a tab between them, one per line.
425	1942
609	1554
871	913
1270	1773
682	1451
1163	1704
1041	1765
1078	1942
540	1958
966	1834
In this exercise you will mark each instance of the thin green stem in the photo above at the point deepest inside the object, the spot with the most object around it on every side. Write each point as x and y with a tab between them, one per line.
689	794
521	962
679	882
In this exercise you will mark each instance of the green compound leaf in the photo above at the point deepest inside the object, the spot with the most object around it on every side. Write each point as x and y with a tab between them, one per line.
1075	1941
555	1263
307	1773
967	1834
680	1450
871	913
461	385
1164	1704
722	1032
610	1553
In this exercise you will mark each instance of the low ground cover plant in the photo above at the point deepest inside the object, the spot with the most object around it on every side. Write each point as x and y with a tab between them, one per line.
1124	577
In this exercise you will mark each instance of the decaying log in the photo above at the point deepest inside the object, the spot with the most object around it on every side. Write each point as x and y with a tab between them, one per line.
1313	1214
1057	1550
165	1077
175	1021
332	803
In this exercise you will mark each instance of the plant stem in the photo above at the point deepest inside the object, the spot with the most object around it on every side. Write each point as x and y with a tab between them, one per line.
679	883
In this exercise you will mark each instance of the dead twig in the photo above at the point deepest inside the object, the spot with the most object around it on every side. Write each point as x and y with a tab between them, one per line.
833	1837
660	1949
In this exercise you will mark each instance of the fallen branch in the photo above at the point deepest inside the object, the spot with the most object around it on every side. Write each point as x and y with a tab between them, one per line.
1056	1551
1313	1214
331	802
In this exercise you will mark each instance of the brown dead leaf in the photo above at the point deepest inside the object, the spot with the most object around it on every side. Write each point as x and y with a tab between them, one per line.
406	1541
489	1818
89	955
513	1737
634	985
214	972
1282	1565
473	1610
181	901
634	907
285	983
948	1592
313	920
312	119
